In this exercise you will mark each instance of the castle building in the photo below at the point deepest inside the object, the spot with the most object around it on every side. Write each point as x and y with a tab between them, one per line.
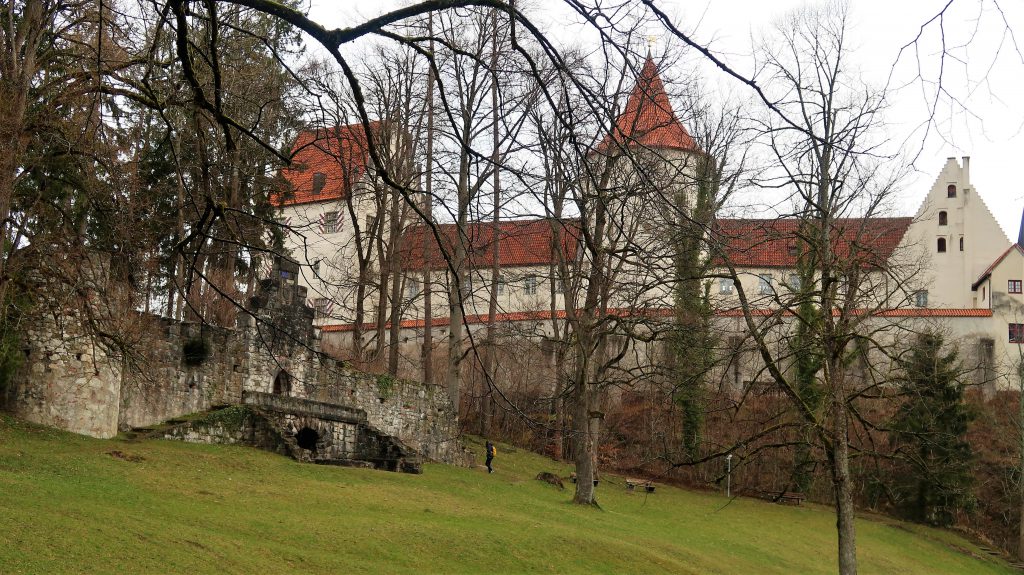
959	273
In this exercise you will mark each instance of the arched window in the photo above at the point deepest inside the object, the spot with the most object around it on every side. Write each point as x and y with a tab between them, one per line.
951	191
283	383
942	245
943	219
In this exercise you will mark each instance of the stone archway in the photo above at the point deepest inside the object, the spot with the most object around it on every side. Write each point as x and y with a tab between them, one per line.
283	383
307	438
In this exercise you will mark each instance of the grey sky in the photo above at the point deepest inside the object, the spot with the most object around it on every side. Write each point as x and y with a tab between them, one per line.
979	115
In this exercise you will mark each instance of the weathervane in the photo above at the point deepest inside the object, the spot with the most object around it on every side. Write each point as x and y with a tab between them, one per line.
652	39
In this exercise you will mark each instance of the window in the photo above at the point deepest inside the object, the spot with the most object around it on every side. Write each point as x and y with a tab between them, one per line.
1017	333
725	286
793	282
322	307
982	293
943	218
921	298
501	285
530	285
1013	286
765	284
467	285
331	222
951	191
319	181
961	243
371	221
412	288
316	267
942	245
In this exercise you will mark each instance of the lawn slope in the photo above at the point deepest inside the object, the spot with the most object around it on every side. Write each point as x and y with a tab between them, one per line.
70	504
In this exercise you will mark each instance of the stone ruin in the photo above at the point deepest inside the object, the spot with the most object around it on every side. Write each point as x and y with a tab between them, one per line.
279	391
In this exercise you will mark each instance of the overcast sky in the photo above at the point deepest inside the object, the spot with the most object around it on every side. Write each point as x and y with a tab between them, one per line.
984	72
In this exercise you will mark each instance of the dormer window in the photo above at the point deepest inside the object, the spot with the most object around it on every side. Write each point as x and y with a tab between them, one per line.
951	191
943	219
319	181
942	245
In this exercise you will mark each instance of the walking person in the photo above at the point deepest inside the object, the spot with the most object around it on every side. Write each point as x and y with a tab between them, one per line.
491	452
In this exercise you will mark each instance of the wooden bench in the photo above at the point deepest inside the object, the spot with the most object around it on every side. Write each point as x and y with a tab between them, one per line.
632	484
785	497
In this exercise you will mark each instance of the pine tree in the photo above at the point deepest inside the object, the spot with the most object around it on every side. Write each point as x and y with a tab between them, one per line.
934	480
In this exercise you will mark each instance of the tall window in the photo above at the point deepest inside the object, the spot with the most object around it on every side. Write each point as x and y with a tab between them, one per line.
1017	333
501	285
921	298
322	307
951	191
793	282
530	285
412	288
319	181
332	223
1013	286
765	284
961	243
943	218
725	286
941	245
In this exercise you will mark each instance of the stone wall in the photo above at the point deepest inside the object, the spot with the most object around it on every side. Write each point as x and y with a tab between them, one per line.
71	381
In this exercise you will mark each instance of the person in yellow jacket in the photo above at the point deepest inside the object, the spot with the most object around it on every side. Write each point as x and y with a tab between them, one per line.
491	452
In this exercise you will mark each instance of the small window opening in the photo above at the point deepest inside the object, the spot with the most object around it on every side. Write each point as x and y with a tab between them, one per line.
282	384
319	181
943	219
307	438
942	245
961	244
951	191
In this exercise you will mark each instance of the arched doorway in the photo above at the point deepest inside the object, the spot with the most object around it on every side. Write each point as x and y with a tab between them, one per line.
283	383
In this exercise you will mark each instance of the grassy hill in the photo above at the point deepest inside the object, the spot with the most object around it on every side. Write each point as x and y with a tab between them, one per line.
70	504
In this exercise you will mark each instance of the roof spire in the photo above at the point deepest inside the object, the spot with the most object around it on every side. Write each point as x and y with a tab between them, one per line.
1020	234
648	119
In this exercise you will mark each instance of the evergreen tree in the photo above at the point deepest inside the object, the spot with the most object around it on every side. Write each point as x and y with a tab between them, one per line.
930	428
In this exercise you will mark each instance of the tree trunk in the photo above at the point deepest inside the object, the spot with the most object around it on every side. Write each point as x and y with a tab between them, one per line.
583	437
486	400
843	483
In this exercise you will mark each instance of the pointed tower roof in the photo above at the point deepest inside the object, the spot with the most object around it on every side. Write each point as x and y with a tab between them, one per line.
648	119
1020	234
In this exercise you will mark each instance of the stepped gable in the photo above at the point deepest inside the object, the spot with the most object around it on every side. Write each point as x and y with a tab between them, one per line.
648	119
520	243
772	243
339	153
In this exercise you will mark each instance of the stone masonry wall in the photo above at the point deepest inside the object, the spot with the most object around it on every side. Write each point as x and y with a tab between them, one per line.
71	382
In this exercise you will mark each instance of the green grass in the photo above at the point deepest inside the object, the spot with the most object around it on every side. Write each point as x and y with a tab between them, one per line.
67	506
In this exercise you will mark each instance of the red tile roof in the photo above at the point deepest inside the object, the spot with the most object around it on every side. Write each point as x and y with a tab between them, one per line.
520	243
340	153
773	243
659	312
648	119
